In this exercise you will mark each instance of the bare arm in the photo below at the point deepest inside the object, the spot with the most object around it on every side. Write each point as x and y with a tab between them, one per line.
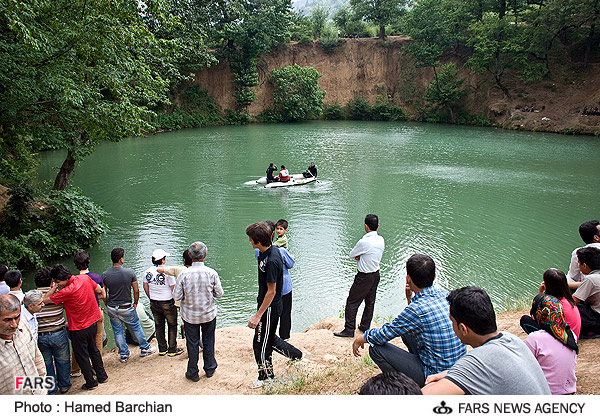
136	293
100	290
359	342
49	293
271	290
442	387
147	289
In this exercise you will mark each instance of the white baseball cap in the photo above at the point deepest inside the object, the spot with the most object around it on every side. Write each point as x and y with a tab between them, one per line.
159	254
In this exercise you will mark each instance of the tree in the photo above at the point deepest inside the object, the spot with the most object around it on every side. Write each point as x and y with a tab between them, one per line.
297	95
77	72
446	89
379	12
318	19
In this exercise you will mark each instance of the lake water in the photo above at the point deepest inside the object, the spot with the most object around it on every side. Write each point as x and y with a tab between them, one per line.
493	208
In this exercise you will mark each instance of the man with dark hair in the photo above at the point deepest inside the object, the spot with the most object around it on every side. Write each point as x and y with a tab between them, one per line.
499	364
197	287
53	339
590	234
13	279
120	281
424	326
311	171
19	354
4	289
78	295
367	252
270	169
269	305
82	262
390	383
587	295
159	289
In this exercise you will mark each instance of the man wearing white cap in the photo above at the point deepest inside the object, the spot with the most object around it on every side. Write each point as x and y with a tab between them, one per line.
159	289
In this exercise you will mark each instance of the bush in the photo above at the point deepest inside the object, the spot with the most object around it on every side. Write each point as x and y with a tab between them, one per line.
329	39
233	117
269	115
358	109
297	95
333	111
386	111
59	226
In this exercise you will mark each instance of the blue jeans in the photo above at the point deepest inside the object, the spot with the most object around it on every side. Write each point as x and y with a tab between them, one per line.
55	350
128	316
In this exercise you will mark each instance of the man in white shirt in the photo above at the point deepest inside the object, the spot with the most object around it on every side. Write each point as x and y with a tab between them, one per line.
159	289
590	234
367	252
33	303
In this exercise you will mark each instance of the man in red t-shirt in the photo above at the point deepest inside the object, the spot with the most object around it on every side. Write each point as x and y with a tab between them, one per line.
78	296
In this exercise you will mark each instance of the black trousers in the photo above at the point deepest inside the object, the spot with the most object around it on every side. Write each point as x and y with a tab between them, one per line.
590	319
364	289
165	311
192	343
264	336
285	321
286	349
85	349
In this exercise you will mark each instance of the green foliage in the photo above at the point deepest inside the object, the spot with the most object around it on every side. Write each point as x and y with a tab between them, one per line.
329	39
270	115
197	109
333	111
57	226
384	110
233	117
297	95
379	12
358	108
318	20
445	89
479	119
17	159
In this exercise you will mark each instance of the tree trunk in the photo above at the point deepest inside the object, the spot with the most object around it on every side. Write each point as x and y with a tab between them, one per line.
501	8
62	178
479	10
381	31
588	47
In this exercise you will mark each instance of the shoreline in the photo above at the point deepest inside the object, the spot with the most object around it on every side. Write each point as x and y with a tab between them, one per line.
328	366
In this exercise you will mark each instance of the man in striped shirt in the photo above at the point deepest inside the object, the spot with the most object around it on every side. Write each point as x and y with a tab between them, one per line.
53	339
424	326
197	287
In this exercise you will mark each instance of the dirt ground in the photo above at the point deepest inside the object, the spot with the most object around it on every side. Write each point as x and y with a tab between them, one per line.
325	355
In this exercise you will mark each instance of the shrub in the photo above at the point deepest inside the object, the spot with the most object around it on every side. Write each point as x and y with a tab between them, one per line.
333	111
297	95
233	117
269	115
358	109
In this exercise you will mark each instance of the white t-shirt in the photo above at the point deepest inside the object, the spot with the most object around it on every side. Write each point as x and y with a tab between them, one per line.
370	249
159	284
574	275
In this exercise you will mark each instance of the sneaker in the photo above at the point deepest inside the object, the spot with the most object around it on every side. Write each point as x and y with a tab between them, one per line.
257	384
162	353
124	358
75	374
64	390
147	352
176	353
86	387
194	378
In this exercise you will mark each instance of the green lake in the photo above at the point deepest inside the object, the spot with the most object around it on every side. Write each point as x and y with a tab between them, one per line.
493	208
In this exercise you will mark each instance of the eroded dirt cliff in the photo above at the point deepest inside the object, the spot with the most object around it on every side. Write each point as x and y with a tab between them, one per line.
370	68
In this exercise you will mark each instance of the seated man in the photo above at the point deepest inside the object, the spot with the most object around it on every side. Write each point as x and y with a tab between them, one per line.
390	383
284	174
587	295
590	234
423	325
311	171
499	364
270	170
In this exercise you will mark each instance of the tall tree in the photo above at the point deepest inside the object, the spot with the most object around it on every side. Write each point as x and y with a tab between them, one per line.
76	72
379	12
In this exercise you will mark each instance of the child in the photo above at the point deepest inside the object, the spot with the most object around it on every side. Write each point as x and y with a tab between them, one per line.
281	228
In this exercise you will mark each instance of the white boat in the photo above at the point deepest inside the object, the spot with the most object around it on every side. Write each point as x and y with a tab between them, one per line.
295	180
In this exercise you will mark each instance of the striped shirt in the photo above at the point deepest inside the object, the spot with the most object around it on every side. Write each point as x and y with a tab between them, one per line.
20	357
427	317
197	287
51	317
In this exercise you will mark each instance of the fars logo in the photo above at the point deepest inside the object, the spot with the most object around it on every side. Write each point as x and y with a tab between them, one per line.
34	383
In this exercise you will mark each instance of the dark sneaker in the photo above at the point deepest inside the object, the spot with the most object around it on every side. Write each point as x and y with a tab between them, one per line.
176	353
344	334
124	358
147	352
162	353
86	387
195	378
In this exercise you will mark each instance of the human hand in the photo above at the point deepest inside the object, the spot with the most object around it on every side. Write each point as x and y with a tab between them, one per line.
359	342
435	377
357	257
253	323
408	292
542	288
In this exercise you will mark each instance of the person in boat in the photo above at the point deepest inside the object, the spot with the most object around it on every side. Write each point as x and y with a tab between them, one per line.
284	175
270	169
311	171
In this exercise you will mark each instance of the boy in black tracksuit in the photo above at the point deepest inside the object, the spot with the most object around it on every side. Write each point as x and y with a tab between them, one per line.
270	281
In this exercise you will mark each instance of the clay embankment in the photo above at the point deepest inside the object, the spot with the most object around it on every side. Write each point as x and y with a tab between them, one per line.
329	367
369	68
